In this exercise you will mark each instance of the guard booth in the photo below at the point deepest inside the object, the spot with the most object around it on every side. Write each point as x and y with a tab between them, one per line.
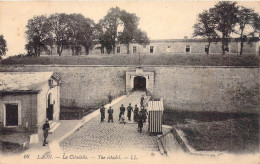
155	111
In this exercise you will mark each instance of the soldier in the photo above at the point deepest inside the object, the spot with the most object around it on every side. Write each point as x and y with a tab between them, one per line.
122	111
142	101
129	111
136	110
102	112
144	114
110	114
45	128
109	98
140	122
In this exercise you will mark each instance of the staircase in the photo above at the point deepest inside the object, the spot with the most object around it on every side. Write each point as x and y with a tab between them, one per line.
146	100
139	94
53	126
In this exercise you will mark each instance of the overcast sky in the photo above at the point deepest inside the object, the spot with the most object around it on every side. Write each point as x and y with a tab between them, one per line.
161	20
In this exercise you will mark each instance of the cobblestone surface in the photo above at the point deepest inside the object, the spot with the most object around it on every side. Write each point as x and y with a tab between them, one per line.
94	136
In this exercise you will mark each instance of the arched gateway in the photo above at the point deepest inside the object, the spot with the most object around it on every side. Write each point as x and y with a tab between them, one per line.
139	83
139	80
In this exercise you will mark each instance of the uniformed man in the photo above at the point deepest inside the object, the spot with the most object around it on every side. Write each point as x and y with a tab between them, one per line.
142	101
140	122
136	110
122	111
102	112
129	111
109	98
144	114
45	128
110	112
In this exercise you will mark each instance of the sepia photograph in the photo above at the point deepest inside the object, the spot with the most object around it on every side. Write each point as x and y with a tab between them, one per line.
130	82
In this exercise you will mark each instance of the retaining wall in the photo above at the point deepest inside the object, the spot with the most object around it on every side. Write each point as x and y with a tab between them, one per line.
223	89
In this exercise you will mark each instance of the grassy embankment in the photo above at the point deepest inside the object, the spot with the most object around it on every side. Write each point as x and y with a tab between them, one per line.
214	131
145	59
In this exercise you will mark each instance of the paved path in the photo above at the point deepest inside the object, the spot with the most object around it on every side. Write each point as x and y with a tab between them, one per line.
95	137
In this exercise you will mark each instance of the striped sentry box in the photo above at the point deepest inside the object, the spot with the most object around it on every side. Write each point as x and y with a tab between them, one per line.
155	110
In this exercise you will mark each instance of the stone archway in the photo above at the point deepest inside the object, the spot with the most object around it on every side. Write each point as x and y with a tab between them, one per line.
139	79
139	83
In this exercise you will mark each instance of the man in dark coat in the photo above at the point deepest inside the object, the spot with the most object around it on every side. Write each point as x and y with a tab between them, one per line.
140	122
102	112
129	111
144	114
136	110
109	98
122	111
45	128
142	101
110	112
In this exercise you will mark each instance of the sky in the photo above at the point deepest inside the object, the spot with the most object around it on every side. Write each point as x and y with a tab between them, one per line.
159	19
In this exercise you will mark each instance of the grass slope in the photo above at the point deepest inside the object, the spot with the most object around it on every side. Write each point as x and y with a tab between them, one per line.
145	59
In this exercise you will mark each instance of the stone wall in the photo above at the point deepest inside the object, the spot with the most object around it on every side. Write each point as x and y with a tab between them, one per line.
208	89
221	89
28	105
87	85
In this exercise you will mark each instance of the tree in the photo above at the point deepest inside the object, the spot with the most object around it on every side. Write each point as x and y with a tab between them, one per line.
224	16
73	30
86	34
110	24
131	33
205	27
39	34
246	17
256	25
80	33
59	25
141	37
3	46
103	38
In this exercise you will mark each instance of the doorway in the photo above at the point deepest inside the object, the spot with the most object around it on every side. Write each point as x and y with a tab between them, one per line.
11	115
49	110
140	83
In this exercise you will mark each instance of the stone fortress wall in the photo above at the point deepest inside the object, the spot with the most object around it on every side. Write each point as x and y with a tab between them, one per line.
193	88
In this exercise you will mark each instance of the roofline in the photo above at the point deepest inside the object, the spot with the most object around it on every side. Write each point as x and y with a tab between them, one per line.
17	91
254	39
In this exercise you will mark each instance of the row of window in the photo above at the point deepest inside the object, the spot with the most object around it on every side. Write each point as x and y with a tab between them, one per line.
187	49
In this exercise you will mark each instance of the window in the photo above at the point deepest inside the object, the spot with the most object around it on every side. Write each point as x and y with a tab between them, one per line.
134	49
169	47
151	49
206	48
187	48
11	114
118	50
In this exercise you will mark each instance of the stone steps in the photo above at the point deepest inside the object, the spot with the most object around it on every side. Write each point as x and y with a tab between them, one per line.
53	126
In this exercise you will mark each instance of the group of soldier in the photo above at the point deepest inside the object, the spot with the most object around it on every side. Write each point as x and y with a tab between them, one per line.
140	116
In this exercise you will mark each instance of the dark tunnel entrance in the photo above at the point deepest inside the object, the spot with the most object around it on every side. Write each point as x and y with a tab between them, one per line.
139	83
